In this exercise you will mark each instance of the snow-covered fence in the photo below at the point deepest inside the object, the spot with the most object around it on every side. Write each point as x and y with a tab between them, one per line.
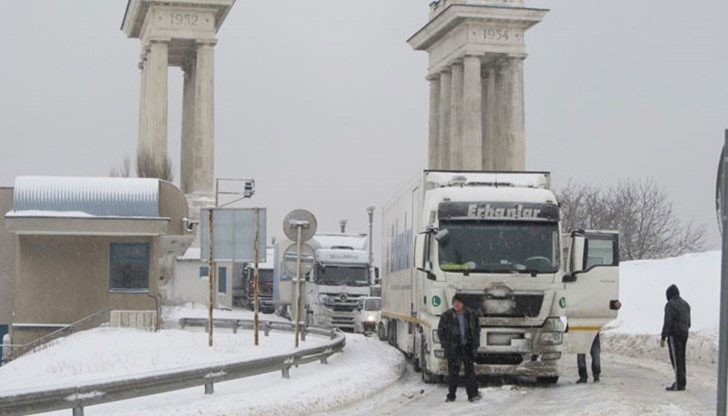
78	397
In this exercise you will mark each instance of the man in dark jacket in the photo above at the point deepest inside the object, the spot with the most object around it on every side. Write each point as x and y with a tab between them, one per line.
675	331
459	332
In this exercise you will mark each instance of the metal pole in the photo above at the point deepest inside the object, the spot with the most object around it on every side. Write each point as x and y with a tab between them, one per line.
370	211
723	342
298	282
211	276
255	277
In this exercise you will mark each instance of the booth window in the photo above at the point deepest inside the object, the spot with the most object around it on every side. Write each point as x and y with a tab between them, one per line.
129	267
204	271
222	280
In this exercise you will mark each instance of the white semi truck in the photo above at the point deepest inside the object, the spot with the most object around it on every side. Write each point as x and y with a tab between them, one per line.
340	277
494	238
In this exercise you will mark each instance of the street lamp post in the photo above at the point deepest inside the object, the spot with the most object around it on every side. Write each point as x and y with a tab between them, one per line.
370	211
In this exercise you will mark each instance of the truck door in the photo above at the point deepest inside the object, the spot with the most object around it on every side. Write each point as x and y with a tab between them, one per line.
591	286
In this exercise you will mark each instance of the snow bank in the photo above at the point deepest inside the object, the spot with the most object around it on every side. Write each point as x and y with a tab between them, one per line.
642	292
172	314
104	353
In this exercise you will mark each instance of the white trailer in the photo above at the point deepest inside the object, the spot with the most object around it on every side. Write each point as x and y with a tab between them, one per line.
494	238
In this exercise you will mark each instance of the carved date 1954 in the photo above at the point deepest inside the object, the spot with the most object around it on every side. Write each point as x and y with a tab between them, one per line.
183	19
496	34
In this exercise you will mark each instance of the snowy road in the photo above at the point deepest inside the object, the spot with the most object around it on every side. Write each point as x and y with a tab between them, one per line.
628	387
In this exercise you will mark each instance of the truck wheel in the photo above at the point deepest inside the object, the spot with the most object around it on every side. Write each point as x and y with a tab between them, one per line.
381	332
547	380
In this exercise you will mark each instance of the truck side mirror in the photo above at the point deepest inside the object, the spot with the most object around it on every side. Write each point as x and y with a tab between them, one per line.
443	237
376	273
578	248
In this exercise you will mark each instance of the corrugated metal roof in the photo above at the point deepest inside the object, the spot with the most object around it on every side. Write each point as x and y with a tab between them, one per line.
76	196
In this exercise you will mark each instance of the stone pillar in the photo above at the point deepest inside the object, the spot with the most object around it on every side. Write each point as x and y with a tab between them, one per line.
502	112
445	118
517	122
187	167
456	117
204	123
156	90
433	159
472	135
489	118
143	140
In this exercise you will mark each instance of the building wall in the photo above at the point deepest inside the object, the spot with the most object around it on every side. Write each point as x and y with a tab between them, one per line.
61	279
7	259
188	287
173	205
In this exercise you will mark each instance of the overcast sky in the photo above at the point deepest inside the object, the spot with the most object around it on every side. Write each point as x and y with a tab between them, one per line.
326	106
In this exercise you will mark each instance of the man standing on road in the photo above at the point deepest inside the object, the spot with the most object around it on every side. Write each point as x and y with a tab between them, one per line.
596	363
675	331
459	332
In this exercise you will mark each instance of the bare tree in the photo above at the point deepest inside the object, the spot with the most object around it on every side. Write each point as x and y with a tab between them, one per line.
640	210
123	171
149	166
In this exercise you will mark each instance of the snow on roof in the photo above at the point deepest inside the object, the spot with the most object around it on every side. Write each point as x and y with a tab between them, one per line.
55	196
192	253
355	241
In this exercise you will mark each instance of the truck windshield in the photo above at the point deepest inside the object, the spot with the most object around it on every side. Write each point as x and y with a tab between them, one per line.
342	275
499	247
264	275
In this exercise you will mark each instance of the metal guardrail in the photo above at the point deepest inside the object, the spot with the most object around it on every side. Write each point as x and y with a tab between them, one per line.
78	397
92	321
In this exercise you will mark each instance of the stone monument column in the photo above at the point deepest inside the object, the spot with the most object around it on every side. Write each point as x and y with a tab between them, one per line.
456	116
472	136
143	140
156	87
517	123
179	33
485	128
433	157
445	119
188	110
489	119
204	119
501	150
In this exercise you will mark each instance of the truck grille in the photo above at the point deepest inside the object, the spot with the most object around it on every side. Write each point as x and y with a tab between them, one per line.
511	306
499	358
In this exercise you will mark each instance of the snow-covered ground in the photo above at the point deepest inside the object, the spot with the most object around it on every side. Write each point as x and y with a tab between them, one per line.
172	314
105	353
367	377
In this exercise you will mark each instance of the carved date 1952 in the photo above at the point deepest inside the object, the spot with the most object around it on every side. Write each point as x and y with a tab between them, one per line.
496	34
183	19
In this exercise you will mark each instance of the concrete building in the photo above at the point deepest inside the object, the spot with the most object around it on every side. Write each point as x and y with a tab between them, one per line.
178	33
191	282
476	51
7	266
84	245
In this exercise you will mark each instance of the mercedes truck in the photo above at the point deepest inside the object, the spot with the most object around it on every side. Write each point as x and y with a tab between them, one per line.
495	239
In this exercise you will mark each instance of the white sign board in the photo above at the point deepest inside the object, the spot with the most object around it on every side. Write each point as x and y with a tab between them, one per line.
233	233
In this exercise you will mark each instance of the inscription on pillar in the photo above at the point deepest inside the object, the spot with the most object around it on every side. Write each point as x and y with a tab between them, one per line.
496	35
183	19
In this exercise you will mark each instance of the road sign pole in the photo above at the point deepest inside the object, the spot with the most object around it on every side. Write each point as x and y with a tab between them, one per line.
298	282
723	336
211	276
256	277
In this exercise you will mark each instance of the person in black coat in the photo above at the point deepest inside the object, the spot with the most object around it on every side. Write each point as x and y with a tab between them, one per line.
459	332
675	331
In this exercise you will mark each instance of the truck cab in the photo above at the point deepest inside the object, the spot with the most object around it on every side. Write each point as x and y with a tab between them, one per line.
495	239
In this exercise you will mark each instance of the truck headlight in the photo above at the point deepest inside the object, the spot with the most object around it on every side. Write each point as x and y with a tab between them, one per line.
554	324
552	338
371	318
551	356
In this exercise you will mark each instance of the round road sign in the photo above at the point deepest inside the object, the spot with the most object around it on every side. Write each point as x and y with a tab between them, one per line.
302	218
308	258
